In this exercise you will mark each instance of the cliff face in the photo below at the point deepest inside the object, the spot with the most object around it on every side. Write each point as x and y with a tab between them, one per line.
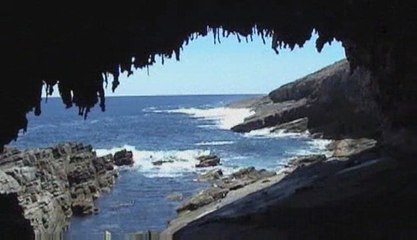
336	102
43	188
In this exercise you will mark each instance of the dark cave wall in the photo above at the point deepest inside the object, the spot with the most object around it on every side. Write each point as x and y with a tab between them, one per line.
13	224
395	88
77	46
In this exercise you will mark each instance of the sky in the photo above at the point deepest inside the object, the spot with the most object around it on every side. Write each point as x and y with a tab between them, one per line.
227	68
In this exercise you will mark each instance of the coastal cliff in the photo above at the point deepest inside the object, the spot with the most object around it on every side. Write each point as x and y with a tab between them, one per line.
358	191
43	188
333	102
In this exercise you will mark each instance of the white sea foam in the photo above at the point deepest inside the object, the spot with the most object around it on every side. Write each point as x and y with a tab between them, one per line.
223	118
179	163
214	143
207	126
149	109
320	145
317	146
266	133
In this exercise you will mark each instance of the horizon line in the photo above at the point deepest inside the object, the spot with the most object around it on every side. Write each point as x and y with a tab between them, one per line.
175	95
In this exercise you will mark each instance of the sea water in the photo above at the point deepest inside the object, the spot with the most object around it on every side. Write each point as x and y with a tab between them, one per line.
176	128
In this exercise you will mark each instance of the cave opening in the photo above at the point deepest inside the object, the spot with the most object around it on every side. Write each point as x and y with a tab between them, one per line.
346	194
209	65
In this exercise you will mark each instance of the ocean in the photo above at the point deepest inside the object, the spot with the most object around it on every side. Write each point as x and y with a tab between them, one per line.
178	128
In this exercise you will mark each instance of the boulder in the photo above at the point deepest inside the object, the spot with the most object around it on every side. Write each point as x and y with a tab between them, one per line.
208	161
123	158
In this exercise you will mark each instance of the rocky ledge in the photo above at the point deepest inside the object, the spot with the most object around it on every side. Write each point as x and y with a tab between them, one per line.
332	102
357	193
221	186
45	187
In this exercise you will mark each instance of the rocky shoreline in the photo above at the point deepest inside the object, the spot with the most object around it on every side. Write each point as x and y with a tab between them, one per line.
41	189
350	195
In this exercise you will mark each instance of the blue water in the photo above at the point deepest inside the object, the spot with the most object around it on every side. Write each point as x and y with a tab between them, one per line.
155	128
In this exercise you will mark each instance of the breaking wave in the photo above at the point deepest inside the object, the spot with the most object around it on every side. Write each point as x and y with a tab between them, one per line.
223	118
175	163
214	143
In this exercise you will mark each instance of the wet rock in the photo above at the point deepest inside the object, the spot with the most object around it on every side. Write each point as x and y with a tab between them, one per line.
211	175
208	161
175	196
123	158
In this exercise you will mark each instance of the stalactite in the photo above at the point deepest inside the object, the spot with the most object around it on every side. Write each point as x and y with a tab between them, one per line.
275	43
177	54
